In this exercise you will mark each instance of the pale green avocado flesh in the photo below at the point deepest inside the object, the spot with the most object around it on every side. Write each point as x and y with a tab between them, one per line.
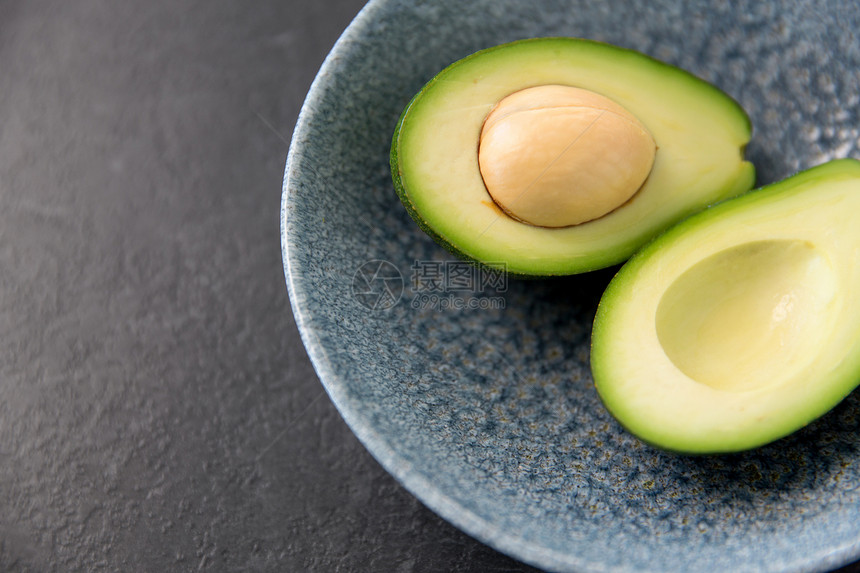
700	134
741	324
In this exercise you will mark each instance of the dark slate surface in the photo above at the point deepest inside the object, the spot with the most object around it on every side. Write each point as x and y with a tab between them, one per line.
157	409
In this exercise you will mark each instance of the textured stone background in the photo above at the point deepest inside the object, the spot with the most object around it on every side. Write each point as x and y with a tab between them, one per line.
157	409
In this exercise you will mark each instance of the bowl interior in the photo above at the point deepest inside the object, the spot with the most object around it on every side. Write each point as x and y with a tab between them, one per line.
474	390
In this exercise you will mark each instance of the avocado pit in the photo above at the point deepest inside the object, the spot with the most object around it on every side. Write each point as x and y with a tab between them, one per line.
558	156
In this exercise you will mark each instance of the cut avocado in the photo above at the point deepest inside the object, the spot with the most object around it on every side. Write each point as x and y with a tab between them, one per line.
741	324
697	135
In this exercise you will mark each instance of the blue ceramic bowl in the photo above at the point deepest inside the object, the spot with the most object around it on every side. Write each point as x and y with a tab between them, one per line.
473	390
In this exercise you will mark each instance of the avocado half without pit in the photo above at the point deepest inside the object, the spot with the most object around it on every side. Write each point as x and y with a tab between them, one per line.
741	324
557	156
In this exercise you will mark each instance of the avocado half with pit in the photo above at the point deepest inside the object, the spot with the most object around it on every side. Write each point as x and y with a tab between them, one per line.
741	324
557	156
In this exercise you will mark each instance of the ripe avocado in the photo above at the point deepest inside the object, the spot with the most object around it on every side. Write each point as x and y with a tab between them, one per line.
741	324
699	134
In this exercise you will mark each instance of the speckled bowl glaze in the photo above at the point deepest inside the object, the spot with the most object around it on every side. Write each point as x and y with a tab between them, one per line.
475	391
